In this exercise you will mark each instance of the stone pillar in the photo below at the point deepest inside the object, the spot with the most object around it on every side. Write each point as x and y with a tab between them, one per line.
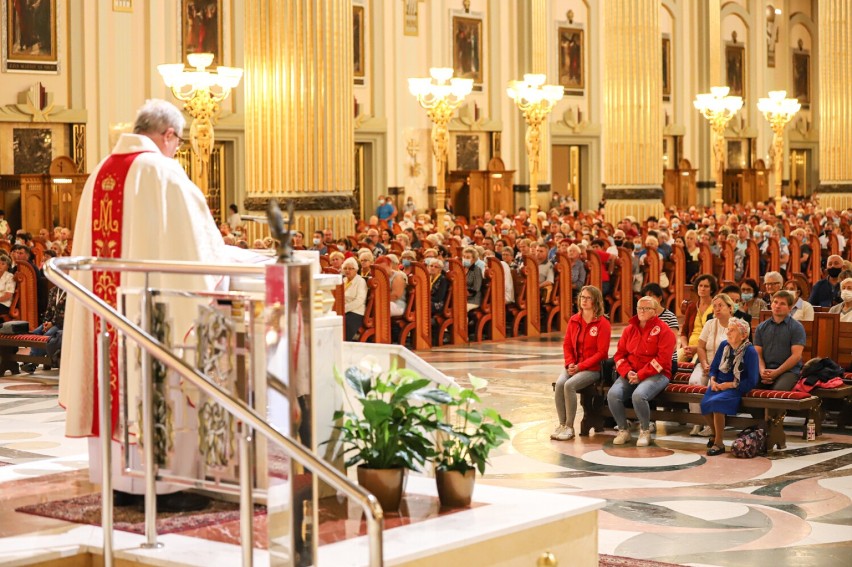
835	104
299	110
633	128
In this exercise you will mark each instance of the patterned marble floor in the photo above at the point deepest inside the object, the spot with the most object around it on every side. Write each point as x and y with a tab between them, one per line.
667	502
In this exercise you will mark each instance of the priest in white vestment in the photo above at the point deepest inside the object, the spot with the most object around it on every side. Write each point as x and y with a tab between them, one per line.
161	215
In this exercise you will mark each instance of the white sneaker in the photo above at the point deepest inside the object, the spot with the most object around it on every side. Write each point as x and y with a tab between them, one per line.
560	430
696	431
622	437
706	432
644	438
566	434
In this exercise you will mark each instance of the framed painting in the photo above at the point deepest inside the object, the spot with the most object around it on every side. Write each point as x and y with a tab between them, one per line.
358	46
802	76
667	68
201	29
735	69
467	48
29	42
572	72
737	154
467	152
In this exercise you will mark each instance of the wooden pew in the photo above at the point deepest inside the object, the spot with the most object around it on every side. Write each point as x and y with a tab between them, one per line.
558	310
815	264
752	261
527	306
706	259
622	288
794	266
481	315
454	318
728	270
26	288
417	318
497	317
377	320
651	268
773	253
677	287
594	269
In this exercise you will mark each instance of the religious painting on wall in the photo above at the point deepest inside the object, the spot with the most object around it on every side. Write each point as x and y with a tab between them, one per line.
571	57
802	75
667	68
736	155
201	29
359	62
467	153
33	150
735	69
411	18
467	49
29	42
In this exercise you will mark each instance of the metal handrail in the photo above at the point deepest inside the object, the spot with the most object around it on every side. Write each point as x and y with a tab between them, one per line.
56	271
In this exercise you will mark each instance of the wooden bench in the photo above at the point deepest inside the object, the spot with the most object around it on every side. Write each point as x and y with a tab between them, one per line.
454	317
416	320
677	397
376	326
9	357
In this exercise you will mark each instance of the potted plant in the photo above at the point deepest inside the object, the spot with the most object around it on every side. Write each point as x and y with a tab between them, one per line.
390	433
469	436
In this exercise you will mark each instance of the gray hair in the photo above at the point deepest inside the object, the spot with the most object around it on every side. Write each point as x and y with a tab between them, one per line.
740	325
350	262
156	116
433	261
774	276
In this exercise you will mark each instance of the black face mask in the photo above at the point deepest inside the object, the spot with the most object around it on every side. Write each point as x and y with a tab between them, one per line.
834	272
619	243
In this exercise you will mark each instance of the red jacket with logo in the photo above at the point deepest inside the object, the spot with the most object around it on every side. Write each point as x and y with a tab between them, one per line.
586	344
646	351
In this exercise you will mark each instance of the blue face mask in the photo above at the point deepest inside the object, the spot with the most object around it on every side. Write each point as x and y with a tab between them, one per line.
747	297
406	263
466	263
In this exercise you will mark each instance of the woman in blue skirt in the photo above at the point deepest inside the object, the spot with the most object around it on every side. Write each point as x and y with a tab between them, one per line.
734	372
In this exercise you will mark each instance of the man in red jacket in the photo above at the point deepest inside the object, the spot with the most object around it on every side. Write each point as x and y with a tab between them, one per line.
643	361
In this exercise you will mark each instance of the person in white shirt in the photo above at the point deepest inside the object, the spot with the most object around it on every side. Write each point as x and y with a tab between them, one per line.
234	219
845	307
802	310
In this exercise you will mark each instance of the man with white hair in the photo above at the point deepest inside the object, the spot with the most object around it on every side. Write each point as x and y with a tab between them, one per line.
175	224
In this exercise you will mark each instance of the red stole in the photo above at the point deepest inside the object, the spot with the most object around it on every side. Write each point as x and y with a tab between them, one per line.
107	211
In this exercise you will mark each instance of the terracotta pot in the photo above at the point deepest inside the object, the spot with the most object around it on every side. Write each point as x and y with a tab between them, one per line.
385	484
454	488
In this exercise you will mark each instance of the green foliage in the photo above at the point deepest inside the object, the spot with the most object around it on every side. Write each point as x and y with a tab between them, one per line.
471	434
398	411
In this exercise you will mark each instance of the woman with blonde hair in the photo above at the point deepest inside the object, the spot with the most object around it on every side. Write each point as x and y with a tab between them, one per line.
473	277
586	344
355	298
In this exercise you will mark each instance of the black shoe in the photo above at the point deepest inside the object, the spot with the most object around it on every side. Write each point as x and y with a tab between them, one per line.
29	367
715	450
710	443
181	502
123	499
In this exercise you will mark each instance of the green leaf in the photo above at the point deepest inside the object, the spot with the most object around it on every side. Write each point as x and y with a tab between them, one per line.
406	389
476	382
358	381
434	395
377	412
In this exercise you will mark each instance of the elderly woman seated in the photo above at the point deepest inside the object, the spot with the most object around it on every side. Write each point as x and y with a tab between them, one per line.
355	297
398	286
733	373
365	258
844	308
335	260
473	277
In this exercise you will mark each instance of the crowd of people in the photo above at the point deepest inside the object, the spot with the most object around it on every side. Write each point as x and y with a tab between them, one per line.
713	339
24	248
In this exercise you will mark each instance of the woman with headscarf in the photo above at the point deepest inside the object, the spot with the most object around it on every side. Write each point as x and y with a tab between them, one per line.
734	372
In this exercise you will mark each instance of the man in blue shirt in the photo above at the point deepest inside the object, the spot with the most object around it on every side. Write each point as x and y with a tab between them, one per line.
827	292
779	342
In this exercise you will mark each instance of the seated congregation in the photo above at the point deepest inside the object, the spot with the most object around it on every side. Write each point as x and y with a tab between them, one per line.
745	299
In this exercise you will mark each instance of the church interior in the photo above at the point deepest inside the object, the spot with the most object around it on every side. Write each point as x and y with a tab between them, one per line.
521	123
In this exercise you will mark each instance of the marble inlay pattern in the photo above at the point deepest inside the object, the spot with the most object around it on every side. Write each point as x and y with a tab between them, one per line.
667	502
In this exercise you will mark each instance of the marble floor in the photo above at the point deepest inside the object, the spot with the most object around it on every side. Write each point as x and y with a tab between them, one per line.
667	502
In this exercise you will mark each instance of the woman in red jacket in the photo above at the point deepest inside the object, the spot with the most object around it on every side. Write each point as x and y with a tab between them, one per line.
586	345
643	361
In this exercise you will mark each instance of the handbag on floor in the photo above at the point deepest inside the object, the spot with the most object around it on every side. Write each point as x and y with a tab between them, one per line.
750	443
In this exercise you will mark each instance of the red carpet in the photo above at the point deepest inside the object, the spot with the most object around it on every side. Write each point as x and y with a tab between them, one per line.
87	510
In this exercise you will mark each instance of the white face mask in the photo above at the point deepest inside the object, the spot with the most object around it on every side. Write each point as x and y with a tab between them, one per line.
846	295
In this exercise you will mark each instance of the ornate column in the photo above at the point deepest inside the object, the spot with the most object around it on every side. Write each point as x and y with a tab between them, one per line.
835	104
633	128
299	123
